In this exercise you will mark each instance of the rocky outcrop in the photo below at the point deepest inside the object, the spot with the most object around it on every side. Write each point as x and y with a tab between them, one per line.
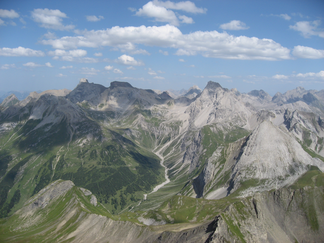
284	215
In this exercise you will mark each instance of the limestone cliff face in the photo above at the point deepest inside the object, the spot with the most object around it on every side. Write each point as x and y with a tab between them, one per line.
285	215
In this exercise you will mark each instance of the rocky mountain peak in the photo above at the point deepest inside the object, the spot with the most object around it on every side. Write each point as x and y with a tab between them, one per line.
260	93
116	84
213	85
10	100
83	80
165	96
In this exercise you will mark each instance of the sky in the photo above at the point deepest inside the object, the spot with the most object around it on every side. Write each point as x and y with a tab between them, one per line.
274	45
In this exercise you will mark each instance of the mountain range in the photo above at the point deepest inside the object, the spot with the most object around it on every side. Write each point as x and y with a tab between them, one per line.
123	164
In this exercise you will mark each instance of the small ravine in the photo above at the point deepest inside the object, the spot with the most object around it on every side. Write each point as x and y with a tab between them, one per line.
167	180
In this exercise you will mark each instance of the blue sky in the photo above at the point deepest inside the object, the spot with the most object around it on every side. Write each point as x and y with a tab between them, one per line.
270	45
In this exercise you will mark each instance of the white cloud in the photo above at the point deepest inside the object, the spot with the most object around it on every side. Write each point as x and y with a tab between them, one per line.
186	20
8	14
234	25
307	52
94	18
22	21
31	64
50	35
60	75
89	71
311	75
77	55
8	66
48	64
128	60
308	29
181	60
108	68
66	67
99	54
2	22
20	51
132	9
186	6
280	76
151	72
131	68
116	70
285	16
50	19
158	77
192	66
205	43
161	14
165	53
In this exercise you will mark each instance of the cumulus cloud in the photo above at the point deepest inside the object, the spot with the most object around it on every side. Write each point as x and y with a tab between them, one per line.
234	25
280	76
50	19
31	64
158	77
128	60
311	75
308	29
186	6
8	66
20	51
99	54
108	68
77	55
48	64
206	43
93	18
161	11
186	20
131	68
11	14
181	60
160	14
307	52
116	70
2	22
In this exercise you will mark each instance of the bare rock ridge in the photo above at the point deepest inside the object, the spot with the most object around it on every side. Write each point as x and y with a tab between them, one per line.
120	84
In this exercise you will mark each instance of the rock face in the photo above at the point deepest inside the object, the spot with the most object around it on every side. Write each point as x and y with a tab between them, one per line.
271	155
9	101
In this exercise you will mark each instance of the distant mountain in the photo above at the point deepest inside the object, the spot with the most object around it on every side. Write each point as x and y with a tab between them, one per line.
123	164
18	94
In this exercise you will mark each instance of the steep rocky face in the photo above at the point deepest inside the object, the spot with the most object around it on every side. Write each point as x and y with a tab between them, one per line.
9	101
260	94
273	157
217	105
192	92
86	91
